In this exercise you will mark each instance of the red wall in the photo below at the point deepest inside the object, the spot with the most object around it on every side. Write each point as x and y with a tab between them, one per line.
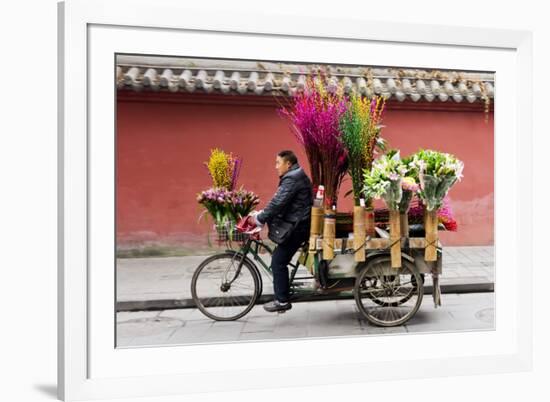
162	144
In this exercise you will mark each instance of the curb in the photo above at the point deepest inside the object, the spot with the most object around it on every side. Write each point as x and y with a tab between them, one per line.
167	304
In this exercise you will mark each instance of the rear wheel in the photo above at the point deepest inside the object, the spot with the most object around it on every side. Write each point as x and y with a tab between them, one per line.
221	290
405	297
386	296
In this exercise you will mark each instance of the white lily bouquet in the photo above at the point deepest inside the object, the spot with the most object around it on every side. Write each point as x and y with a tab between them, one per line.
384	180
437	173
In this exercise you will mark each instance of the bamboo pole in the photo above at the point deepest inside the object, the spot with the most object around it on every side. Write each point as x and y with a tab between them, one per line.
329	233
369	221
359	233
316	227
404	224
395	237
430	227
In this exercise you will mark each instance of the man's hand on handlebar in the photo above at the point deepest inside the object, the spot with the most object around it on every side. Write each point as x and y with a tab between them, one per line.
253	215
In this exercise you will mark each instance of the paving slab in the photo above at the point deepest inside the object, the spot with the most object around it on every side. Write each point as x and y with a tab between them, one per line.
335	318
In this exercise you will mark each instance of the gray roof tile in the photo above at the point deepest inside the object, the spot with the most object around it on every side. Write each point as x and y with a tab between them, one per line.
268	78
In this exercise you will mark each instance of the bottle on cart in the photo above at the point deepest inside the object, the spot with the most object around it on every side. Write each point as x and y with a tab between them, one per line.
318	201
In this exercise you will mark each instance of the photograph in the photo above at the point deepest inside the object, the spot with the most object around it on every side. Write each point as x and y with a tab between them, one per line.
261	200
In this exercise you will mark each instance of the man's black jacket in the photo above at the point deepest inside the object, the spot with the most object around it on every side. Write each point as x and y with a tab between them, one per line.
293	200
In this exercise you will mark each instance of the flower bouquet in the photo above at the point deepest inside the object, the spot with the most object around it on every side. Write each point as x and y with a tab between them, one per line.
360	129
384	181
227	207
315	115
225	204
437	172
224	169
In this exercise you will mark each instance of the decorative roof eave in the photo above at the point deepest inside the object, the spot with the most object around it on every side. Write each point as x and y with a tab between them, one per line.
172	74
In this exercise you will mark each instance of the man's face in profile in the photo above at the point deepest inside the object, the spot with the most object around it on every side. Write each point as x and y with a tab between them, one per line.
281	166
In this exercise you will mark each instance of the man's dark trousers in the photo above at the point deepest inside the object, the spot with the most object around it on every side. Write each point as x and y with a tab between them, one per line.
281	257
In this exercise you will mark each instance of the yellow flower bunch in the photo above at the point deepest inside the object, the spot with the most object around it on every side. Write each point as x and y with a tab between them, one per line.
360	133
219	168
360	108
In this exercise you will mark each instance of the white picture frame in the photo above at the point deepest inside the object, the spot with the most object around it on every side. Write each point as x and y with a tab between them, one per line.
92	32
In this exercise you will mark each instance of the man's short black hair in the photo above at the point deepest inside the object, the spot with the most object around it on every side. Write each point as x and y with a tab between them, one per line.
288	156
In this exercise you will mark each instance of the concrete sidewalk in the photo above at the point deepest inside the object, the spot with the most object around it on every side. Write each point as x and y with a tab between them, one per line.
164	282
461	312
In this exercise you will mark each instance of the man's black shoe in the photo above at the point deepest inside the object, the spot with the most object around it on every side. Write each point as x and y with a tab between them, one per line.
277	306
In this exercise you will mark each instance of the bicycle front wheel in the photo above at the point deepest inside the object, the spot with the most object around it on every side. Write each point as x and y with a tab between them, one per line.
221	290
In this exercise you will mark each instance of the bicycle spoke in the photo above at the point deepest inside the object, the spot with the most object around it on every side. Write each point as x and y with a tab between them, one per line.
241	286
229	291
386	297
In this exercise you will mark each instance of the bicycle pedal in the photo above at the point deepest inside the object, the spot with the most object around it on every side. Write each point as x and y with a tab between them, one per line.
281	311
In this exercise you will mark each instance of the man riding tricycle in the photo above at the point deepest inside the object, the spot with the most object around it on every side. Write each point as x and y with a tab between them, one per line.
228	285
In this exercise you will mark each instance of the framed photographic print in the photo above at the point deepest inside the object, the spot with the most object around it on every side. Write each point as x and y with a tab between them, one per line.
231	186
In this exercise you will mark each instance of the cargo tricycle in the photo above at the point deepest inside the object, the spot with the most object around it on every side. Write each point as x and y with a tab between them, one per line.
226	286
